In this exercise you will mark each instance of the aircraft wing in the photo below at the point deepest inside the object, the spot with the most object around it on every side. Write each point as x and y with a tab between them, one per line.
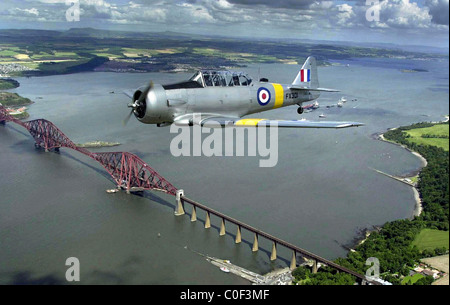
226	121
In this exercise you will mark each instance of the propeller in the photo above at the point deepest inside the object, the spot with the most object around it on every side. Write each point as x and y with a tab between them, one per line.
140	102
125	121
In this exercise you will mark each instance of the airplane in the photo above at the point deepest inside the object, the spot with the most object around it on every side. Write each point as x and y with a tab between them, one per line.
220	98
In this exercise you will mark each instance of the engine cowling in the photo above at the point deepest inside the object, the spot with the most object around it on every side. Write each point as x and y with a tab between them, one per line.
153	109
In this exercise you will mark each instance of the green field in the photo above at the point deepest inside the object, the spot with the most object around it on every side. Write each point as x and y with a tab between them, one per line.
412	279
429	239
13	99
434	133
235	56
9	51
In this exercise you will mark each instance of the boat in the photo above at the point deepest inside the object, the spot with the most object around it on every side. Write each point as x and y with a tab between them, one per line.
340	104
314	105
224	269
343	100
322	116
112	191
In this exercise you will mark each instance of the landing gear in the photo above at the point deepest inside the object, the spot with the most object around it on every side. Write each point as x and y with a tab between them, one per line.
300	110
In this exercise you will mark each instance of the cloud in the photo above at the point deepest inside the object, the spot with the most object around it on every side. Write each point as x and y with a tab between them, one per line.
291	4
266	18
31	11
439	10
393	14
345	15
404	13
280	14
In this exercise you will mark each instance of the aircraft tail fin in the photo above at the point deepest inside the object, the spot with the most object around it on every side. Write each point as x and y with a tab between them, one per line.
307	77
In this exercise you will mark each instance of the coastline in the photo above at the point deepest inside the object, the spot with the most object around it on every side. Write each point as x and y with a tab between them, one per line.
362	236
418	207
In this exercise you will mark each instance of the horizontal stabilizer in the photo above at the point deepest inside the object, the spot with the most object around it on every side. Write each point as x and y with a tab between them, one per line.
313	89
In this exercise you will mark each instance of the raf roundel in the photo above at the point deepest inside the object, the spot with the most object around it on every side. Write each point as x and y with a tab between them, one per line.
263	96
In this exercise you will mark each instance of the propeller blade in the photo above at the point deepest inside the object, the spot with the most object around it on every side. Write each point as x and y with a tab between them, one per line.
145	93
125	121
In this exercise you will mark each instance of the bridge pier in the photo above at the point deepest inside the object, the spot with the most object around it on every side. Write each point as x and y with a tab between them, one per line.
194	214
222	228
180	209
314	267
255	247
273	255
238	239
208	221
293	261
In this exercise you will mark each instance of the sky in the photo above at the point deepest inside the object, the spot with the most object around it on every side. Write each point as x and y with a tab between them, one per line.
408	22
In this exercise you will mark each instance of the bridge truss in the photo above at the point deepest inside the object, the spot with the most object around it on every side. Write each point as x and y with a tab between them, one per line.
128	171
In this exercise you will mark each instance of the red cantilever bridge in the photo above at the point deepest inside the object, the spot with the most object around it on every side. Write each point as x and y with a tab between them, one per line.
128	170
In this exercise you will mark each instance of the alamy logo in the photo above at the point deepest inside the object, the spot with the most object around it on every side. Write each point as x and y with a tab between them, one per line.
373	12
73	13
73	273
374	269
261	141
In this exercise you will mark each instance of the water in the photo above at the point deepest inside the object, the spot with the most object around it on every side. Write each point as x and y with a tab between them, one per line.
319	196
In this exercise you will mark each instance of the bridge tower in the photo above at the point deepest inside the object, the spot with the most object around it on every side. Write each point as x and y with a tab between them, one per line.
133	174
48	136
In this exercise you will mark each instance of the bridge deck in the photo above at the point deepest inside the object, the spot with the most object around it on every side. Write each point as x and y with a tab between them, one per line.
273	238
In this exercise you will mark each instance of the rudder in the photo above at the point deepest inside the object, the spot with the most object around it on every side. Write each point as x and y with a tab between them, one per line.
307	77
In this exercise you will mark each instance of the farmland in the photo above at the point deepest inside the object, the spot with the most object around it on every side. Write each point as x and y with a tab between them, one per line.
436	135
36	52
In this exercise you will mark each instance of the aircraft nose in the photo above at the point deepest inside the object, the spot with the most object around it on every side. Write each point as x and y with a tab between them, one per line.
150	104
139	103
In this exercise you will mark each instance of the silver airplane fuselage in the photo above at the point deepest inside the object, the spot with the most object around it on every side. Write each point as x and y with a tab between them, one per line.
167	106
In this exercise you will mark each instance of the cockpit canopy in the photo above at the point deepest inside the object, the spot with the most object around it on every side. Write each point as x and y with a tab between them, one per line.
213	78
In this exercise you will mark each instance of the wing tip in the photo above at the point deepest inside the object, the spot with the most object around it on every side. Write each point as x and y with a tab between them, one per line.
351	124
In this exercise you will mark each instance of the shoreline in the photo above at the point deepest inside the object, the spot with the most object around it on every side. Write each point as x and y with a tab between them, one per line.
418	207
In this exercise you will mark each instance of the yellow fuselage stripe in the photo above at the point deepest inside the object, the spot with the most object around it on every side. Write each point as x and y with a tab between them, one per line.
248	122
279	95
